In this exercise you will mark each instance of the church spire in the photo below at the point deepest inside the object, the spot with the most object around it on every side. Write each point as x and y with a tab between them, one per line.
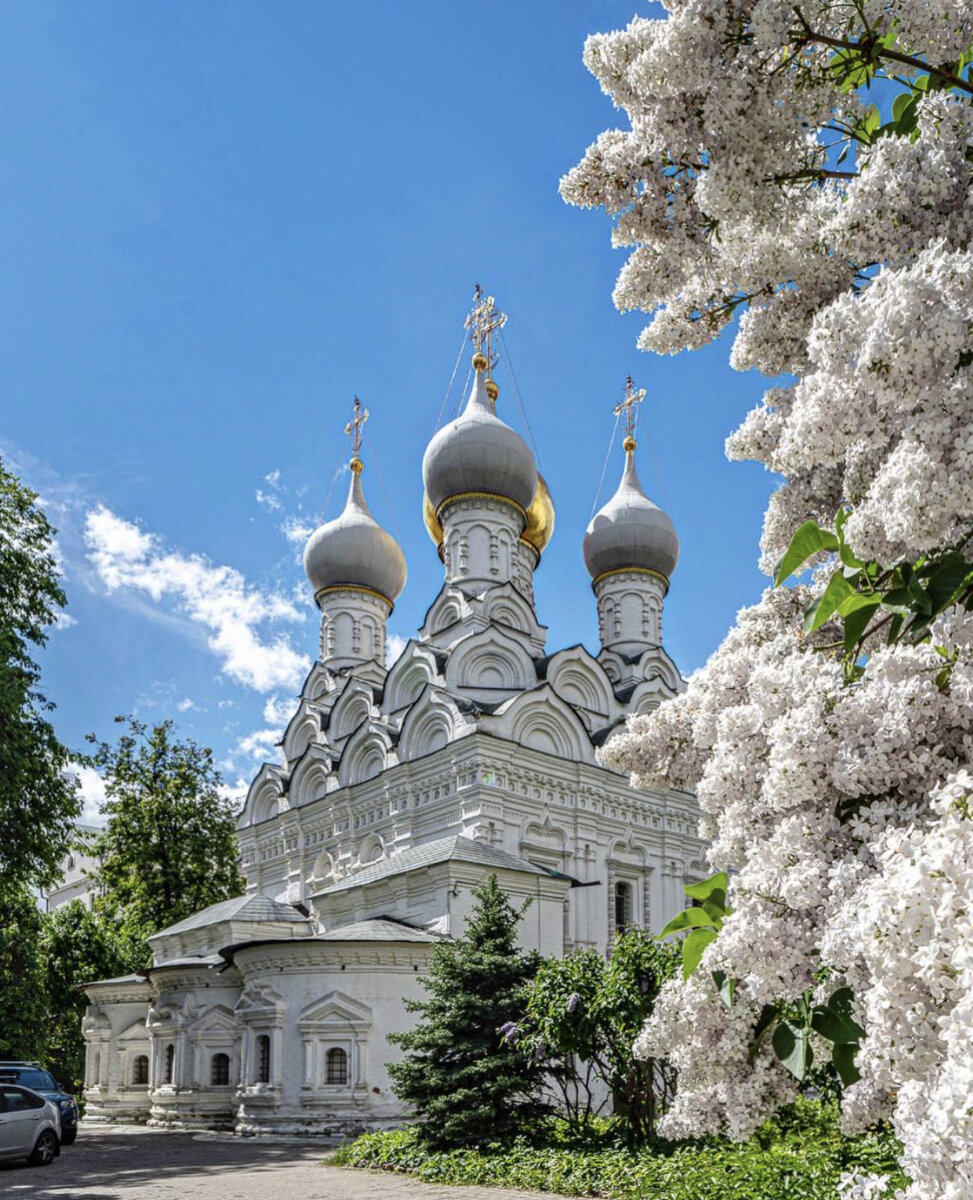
483	321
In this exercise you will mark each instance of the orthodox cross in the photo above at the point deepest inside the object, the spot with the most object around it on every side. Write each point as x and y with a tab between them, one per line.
354	430
629	409
483	320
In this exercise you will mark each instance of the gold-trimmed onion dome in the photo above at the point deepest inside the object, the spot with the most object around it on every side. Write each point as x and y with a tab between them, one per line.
540	517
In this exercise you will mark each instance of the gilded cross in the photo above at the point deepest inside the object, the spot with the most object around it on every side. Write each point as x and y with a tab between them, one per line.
354	428
484	319
629	408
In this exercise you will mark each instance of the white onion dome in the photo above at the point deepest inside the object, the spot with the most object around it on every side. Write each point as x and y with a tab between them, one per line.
479	453
354	550
630	532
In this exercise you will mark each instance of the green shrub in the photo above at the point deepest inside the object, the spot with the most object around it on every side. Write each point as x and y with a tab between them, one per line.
798	1156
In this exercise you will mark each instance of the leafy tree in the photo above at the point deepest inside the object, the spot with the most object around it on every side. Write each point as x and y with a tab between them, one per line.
23	1004
38	798
584	1014
77	946
469	1082
169	846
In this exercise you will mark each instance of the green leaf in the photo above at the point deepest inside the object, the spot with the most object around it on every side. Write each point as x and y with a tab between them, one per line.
843	1057
857	616
827	604
808	540
792	1045
943	580
693	947
834	1020
714	888
768	1015
691	918
727	987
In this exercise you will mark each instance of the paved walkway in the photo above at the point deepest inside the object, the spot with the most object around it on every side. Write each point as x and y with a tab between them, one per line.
132	1163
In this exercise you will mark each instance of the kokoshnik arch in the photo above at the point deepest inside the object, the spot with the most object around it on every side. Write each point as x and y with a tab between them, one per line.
400	788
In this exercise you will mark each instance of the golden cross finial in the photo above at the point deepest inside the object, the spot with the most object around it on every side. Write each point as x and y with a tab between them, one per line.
483	320
354	430
629	409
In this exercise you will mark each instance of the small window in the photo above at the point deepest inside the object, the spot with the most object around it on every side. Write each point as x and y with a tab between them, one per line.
170	1063
17	1100
219	1070
336	1066
623	906
263	1059
140	1070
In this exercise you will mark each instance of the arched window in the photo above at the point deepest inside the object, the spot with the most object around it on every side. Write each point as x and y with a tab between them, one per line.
170	1063
263	1058
219	1070
336	1066
623	906
140	1070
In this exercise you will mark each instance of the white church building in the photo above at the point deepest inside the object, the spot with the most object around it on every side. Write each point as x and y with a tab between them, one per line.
401	788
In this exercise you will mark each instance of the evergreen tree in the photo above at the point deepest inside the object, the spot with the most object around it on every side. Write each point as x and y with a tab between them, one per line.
469	1083
77	946
169	847
38	798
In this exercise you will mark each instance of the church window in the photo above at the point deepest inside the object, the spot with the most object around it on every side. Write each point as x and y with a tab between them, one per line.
219	1070
336	1066
623	906
170	1063
263	1059
140	1070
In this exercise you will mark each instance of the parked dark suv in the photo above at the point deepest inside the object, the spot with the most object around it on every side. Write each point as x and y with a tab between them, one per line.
32	1075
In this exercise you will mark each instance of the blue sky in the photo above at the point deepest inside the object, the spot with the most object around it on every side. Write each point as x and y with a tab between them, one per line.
223	220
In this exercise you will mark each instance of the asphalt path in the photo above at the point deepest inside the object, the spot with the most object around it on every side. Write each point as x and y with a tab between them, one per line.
133	1163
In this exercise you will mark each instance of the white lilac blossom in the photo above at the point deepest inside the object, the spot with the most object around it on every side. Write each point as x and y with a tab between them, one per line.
844	812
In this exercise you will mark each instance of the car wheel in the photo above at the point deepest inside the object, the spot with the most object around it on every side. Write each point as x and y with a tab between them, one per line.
45	1148
68	1137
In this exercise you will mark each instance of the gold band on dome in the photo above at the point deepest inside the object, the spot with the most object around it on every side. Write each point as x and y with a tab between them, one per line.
479	496
524	542
629	570
352	587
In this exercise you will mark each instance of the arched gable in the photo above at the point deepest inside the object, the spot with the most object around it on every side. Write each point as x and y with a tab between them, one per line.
302	729
323	869
432	722
655	664
354	705
263	797
372	849
366	754
319	684
449	607
488	664
541	720
581	681
505	605
613	665
413	670
312	776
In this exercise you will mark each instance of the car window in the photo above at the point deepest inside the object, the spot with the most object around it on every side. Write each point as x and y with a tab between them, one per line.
30	1077
17	1100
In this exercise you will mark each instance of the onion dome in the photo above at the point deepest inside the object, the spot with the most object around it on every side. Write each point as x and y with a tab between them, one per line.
630	532
540	517
353	551
479	453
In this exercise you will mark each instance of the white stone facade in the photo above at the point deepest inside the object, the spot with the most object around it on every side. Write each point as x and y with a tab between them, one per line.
397	792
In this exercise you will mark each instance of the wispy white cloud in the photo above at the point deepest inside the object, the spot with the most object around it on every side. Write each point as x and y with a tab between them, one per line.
215	598
278	710
260	745
273	477
63	620
394	646
92	789
296	529
268	500
186	705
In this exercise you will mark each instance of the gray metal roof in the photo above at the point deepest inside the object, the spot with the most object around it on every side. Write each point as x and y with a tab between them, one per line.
456	849
205	960
255	907
378	929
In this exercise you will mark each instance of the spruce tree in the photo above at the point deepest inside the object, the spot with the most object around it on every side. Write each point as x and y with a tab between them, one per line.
467	1080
